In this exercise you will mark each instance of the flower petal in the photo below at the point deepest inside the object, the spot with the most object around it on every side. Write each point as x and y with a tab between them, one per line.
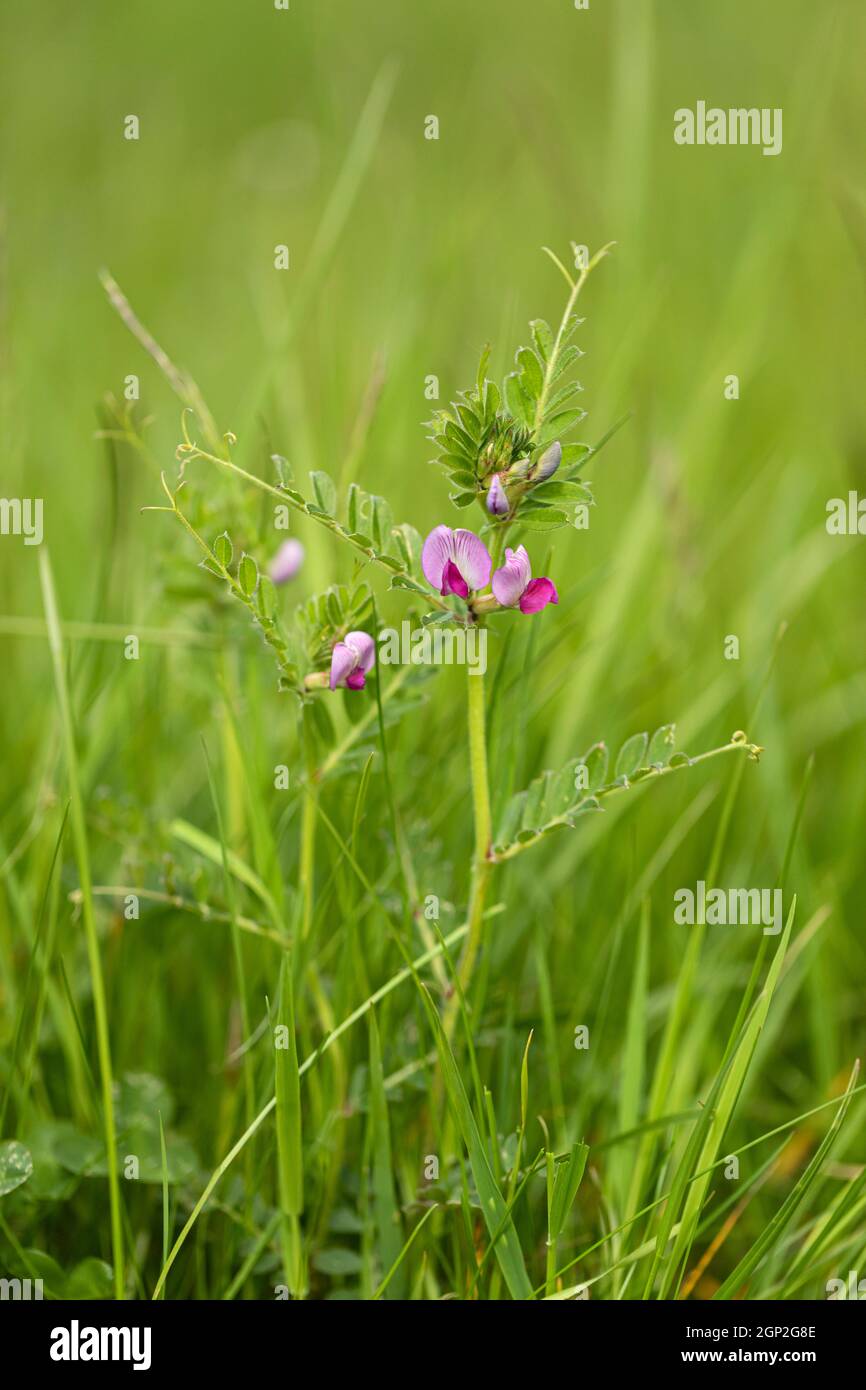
453	581
435	554
356	681
364	648
287	561
472	558
343	663
511	580
537	595
497	501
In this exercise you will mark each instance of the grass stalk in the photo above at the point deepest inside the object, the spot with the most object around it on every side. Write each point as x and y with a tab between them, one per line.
82	859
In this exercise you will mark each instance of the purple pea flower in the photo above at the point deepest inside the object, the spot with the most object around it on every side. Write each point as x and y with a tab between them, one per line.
455	562
287	561
514	586
351	659
497	501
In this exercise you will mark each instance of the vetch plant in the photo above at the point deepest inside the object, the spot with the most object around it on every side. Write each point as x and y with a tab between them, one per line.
506	451
237	1061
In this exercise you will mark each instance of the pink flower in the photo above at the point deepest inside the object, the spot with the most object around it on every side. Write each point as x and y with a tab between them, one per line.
514	586
286	562
455	562
351	659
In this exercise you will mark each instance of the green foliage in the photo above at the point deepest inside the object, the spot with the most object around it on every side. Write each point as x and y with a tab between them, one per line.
485	432
555	800
368	524
693	537
90	1278
62	1154
569	1176
327	617
16	1165
496	1214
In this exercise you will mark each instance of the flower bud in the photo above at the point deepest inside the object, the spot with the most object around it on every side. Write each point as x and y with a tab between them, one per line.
497	501
287	561
547	465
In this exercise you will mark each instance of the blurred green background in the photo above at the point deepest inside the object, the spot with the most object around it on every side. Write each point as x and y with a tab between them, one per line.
260	127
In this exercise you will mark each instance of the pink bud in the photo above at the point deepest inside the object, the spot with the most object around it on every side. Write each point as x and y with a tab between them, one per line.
497	501
287	561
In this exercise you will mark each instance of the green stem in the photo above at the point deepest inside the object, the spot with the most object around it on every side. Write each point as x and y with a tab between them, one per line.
292	499
738	742
550	1262
82	856
576	287
497	546
478	764
307	855
481	862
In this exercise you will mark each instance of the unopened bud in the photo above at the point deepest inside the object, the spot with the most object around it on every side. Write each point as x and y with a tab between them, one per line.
497	501
287	561
547	465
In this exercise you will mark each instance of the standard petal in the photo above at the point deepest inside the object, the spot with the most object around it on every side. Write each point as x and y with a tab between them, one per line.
435	554
497	501
287	561
362	644
453	581
343	661
510	581
472	558
537	595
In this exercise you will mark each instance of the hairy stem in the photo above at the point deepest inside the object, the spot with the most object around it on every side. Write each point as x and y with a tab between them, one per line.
737	743
576	287
478	764
481	863
307	863
497	546
188	451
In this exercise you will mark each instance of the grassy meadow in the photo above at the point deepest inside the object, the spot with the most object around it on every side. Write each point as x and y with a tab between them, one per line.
298	998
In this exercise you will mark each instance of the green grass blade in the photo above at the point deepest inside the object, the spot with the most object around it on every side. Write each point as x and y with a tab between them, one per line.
385	1203
82	858
718	1115
508	1250
290	1154
775	1227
